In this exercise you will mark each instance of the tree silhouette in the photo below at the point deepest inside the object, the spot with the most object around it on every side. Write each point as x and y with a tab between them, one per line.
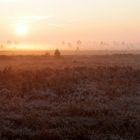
79	43
57	53
63	43
1	46
9	42
47	54
69	44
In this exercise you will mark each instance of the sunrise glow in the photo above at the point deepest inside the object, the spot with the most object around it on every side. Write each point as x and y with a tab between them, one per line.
69	69
55	21
21	29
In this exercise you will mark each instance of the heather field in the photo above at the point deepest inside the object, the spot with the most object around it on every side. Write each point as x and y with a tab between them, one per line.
70	98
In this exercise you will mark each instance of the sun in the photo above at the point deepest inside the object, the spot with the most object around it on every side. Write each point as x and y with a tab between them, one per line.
21	29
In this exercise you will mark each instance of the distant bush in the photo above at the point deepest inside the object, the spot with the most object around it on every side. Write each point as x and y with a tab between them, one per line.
47	54
57	53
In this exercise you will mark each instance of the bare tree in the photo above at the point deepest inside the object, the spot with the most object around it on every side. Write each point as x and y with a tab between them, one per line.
9	42
69	44
79	43
63	43
1	46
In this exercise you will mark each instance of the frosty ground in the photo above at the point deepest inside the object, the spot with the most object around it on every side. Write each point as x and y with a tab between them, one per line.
70	98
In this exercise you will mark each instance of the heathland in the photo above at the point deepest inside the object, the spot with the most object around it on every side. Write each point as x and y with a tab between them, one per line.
70	98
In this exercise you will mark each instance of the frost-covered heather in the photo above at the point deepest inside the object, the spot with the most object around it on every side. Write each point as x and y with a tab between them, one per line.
71	103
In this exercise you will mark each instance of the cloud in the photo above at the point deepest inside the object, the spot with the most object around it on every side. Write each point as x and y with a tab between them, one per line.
56	25
29	19
10	1
32	19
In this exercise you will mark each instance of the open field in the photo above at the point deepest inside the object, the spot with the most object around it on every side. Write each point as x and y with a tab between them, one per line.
70	98
39	62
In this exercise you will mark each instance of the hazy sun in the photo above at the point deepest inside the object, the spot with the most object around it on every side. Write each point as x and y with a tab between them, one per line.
21	29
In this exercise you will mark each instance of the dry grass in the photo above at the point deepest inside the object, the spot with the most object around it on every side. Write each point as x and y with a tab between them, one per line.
77	102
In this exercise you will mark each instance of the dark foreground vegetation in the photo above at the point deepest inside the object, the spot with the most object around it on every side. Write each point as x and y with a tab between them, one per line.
77	103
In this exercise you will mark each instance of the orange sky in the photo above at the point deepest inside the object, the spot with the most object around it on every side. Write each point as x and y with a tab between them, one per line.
47	21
